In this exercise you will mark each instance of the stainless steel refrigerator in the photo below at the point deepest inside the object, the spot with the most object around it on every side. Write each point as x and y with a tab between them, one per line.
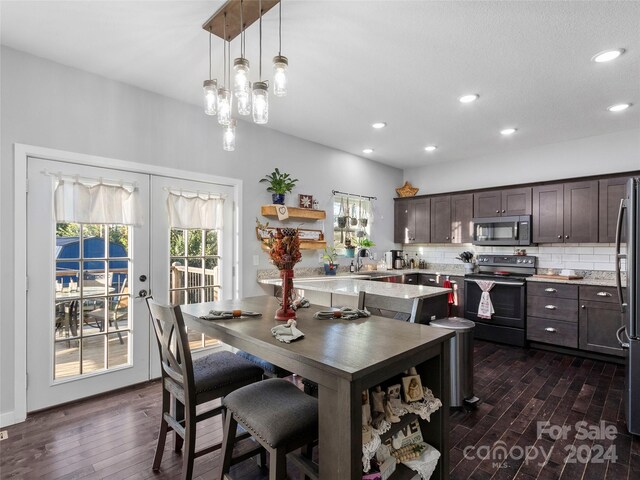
628	231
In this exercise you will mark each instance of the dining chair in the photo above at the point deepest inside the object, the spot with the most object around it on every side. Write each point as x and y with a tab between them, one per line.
119	311
280	417
392	307
191	382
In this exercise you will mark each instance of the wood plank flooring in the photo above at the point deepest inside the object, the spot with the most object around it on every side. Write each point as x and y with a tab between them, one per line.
113	436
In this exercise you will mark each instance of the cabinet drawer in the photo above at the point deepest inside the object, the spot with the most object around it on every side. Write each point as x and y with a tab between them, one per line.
428	280
410	279
598	294
552	331
555	308
552	290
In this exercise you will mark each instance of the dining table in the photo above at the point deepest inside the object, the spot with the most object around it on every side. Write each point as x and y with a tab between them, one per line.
344	357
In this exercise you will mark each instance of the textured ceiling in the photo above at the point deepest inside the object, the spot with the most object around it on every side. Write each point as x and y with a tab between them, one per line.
356	62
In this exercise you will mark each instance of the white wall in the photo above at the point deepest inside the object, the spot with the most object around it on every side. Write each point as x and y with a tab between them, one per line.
50	105
611	153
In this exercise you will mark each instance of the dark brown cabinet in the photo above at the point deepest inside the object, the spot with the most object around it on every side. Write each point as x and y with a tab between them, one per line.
599	319
565	212
441	219
462	218
502	203
412	221
612	190
552	313
457	309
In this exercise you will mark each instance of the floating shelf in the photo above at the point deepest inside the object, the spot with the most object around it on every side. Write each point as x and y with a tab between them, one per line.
307	245
294	213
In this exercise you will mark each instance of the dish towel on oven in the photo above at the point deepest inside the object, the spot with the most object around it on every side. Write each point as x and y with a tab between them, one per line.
485	308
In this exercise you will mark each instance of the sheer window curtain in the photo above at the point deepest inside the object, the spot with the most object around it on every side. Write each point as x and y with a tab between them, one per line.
78	202
195	211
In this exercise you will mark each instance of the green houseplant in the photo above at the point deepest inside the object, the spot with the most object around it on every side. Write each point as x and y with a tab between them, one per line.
330	255
279	185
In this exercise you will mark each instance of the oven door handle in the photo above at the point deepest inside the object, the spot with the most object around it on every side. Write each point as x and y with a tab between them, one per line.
511	284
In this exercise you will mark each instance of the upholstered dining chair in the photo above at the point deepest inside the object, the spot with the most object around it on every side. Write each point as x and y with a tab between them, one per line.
191	382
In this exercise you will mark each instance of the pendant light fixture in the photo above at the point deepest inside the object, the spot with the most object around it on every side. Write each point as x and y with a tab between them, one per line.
229	136
280	63
225	99
241	83
260	96
210	88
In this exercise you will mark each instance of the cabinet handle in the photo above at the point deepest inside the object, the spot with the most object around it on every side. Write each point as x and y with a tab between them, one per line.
550	330
550	307
503	211
446	238
550	290
603	294
566	236
559	236
432	280
582	306
497	211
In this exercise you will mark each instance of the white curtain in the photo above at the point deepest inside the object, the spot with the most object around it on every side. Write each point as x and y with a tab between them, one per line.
100	203
195	211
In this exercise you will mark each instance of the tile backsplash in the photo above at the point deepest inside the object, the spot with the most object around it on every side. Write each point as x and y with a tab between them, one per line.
557	256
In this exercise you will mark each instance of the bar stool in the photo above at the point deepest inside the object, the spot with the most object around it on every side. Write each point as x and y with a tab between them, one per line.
280	417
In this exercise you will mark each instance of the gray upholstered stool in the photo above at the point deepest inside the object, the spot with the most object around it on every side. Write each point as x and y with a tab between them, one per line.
270	370
280	417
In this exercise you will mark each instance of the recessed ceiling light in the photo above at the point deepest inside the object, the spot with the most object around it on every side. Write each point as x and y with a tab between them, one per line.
469	98
618	107
607	55
379	125
367	150
430	148
508	131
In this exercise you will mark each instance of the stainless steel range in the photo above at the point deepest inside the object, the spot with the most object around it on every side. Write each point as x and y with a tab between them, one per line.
508	296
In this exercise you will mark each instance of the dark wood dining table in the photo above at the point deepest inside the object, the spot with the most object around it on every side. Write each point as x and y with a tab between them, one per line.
344	357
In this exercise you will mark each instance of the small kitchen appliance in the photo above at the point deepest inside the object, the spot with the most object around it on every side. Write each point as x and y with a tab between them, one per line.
629	332
388	260
502	230
398	262
508	296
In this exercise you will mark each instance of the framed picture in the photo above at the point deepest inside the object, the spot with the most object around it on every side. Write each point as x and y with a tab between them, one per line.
305	201
412	388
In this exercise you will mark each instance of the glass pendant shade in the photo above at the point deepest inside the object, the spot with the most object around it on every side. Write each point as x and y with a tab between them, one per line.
229	136
210	88
260	102
241	82
243	101
280	65
225	104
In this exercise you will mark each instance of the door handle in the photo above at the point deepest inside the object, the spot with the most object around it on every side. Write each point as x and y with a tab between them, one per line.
550	330
550	307
619	257
550	290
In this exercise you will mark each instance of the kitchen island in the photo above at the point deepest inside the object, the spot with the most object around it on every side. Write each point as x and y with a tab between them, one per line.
344	291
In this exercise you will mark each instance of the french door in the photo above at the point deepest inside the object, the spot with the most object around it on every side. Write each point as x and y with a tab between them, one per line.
88	329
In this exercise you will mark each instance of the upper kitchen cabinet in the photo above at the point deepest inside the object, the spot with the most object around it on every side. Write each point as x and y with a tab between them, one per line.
565	213
412	221
502	203
462	218
612	191
441	219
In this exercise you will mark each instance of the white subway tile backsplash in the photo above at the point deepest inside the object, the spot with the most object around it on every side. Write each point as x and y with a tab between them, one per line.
594	258
609	266
570	258
545	249
579	250
579	265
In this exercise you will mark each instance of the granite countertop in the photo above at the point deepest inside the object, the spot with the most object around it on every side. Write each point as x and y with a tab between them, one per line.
348	285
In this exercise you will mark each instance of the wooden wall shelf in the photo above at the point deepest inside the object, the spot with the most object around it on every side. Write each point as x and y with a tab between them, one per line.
294	213
307	245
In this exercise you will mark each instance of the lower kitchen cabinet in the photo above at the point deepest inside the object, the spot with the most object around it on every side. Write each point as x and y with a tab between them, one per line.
600	318
457	309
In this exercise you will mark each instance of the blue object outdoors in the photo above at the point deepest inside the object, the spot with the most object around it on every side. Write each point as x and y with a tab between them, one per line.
69	247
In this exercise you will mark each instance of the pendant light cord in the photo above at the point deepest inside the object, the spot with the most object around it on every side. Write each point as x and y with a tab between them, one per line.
241	29
280	28
224	54
209	53
260	69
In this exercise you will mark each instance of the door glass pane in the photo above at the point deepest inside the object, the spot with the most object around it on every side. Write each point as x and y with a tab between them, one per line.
194	273
92	298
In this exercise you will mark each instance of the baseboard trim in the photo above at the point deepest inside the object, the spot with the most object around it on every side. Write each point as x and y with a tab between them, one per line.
7	419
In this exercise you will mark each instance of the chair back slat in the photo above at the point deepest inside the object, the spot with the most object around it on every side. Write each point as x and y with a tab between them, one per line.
170	330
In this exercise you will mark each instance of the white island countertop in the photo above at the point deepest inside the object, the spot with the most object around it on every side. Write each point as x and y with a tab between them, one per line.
353	286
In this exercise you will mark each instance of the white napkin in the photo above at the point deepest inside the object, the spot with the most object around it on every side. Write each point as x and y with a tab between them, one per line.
287	333
282	211
485	308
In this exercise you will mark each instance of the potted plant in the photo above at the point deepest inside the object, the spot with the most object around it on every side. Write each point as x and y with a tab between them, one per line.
279	185
467	259
330	255
349	248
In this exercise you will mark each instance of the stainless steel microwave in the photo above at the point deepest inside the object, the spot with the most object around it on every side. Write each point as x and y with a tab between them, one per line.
502	230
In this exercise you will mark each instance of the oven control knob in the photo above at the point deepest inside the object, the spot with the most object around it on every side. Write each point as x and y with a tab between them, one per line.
530	261
518	261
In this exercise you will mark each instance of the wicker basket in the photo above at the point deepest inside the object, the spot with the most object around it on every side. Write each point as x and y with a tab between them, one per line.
407	190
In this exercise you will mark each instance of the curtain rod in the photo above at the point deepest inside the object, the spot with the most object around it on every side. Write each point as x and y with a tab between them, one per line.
353	195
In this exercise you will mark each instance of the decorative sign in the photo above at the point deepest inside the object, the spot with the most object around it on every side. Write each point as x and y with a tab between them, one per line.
305	201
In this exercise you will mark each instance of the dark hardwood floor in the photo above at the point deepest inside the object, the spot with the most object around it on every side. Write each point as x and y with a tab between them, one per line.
113	437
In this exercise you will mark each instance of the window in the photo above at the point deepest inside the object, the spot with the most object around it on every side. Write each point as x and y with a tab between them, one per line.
352	218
